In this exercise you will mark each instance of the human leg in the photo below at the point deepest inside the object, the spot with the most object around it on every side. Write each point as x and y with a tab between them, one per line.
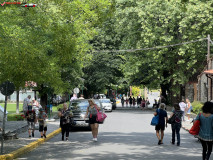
96	125
204	145
173	134
67	131
177	129
93	130
45	130
62	131
162	135
209	150
41	128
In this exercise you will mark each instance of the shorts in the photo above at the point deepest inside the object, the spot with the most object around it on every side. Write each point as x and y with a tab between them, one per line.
93	120
31	125
160	127
42	128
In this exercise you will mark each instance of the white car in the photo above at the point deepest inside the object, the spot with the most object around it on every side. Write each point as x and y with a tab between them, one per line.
107	104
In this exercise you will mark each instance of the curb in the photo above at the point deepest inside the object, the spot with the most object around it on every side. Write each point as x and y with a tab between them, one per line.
29	147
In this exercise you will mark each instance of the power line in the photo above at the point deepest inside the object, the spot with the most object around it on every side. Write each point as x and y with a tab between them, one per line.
153	48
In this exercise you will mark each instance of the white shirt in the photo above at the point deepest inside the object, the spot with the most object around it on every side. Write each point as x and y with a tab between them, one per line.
25	104
182	106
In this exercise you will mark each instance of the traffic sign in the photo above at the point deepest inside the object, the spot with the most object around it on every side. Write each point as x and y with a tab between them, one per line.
76	90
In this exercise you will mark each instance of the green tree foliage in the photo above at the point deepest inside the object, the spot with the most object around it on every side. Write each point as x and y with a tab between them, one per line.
47	43
147	24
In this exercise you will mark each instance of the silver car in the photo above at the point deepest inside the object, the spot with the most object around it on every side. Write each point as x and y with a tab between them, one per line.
107	104
79	109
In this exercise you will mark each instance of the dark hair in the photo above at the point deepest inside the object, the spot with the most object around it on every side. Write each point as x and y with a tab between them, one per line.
177	107
208	107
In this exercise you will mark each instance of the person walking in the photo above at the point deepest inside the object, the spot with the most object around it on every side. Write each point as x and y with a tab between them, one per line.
65	118
122	101
147	102
206	129
26	103
133	101
130	101
177	112
188	109
31	119
183	108
92	111
143	103
127	101
139	101
42	116
163	118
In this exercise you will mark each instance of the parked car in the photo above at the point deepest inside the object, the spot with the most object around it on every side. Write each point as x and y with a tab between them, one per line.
79	109
107	104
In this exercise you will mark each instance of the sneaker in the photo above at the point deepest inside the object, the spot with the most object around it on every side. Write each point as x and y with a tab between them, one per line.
172	142
45	136
67	139
159	142
95	139
178	144
32	134
29	136
41	136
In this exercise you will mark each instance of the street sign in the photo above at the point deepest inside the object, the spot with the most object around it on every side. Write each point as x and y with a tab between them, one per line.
76	90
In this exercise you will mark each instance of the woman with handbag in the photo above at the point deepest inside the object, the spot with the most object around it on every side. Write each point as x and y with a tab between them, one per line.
176	123
206	129
92	111
162	122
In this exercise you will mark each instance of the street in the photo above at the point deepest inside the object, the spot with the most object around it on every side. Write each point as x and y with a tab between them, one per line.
126	134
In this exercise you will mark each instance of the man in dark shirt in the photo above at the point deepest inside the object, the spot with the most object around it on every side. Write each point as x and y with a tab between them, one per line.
31	118
163	118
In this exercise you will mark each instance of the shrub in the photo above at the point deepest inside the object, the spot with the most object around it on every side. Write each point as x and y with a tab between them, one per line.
15	117
196	106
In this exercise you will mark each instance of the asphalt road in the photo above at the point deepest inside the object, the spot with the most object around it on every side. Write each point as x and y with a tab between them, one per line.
126	134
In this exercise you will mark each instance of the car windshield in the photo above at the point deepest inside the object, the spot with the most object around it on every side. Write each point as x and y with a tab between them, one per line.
105	101
81	105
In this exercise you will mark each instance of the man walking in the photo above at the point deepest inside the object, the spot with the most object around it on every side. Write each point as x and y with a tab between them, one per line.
26	103
183	108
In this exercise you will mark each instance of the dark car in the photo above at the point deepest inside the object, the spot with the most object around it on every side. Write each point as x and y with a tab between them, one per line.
79	109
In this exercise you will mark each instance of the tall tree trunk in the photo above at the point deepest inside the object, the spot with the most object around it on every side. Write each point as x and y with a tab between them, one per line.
17	102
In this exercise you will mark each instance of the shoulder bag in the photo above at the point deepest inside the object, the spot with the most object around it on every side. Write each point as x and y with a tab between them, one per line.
171	120
100	115
196	127
155	119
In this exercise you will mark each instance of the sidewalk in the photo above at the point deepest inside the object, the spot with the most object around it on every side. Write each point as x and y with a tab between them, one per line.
23	137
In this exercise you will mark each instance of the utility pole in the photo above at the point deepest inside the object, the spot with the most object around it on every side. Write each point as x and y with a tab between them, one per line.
208	66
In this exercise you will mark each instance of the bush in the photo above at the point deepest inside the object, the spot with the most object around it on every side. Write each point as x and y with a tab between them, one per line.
196	106
60	106
15	117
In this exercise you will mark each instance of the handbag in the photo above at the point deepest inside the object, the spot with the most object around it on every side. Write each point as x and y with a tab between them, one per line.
155	120
196	127
171	120
100	115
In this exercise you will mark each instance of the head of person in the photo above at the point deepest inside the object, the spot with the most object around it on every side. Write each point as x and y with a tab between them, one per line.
74	95
33	99
182	100
65	106
91	102
177	107
29	96
187	100
162	106
82	95
208	107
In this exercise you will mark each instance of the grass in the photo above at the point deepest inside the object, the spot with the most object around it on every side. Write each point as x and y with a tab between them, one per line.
11	107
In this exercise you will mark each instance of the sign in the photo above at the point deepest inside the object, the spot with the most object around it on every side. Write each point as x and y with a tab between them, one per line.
76	90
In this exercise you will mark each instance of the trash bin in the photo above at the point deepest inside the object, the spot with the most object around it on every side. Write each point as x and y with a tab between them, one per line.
2	113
